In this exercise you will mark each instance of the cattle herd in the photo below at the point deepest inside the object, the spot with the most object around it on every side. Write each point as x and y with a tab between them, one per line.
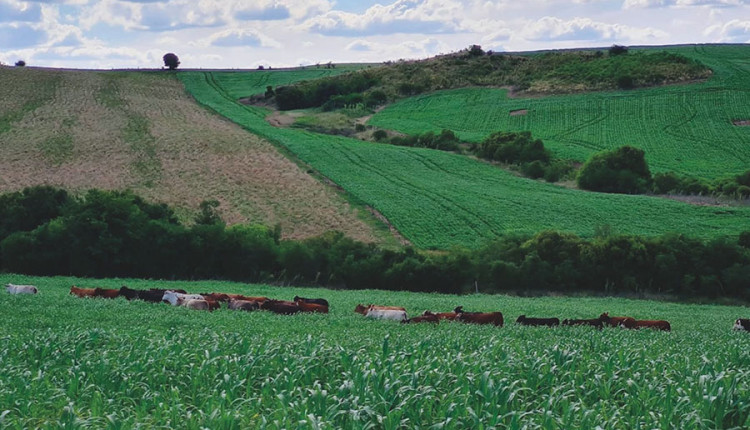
213	301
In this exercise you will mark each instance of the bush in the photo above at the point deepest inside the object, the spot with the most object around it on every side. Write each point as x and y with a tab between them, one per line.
623	170
379	135
618	50
512	148
171	61
20	63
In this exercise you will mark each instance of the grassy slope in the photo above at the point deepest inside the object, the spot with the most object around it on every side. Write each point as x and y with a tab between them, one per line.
683	128
141	131
100	363
438	199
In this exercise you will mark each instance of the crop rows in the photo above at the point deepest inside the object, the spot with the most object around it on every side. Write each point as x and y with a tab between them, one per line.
437	199
118	364
683	128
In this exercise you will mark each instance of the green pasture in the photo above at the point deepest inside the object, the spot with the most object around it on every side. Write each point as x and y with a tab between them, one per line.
683	128
438	200
97	363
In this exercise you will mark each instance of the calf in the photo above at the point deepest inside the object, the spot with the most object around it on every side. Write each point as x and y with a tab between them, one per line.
243	305
82	292
106	293
624	322
742	324
549	322
428	317
21	289
593	323
322	302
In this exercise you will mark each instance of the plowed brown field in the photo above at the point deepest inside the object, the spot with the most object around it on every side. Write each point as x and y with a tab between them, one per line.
141	131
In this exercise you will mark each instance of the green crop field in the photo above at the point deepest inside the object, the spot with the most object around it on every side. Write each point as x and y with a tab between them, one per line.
683	128
97	363
437	199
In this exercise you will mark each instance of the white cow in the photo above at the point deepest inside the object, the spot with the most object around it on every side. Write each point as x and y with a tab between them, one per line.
172	296
21	289
197	304
386	314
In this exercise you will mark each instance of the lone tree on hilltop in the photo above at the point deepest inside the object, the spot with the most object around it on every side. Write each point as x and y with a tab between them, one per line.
20	63
618	50
171	61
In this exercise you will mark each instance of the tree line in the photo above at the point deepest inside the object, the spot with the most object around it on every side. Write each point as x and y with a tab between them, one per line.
46	231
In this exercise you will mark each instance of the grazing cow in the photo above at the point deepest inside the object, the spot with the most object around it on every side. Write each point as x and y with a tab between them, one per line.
386	314
82	292
280	307
742	324
322	302
197	304
427	317
128	293
593	323
549	322
171	296
362	309
219	297
21	289
243	305
495	318
106	293
312	307
624	322
654	324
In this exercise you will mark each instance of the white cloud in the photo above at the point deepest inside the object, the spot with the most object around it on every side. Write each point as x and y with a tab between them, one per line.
402	16
734	31
664	3
584	29
13	11
16	36
241	37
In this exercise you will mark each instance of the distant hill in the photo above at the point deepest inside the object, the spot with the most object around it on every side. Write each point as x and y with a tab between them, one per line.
142	131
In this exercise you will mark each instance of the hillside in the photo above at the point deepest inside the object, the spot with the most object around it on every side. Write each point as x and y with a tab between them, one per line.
438	200
694	129
142	131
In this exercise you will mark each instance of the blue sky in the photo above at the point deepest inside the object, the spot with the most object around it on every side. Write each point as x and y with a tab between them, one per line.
245	34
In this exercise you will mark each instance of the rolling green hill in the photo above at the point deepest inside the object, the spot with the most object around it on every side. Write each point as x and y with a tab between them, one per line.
686	129
437	200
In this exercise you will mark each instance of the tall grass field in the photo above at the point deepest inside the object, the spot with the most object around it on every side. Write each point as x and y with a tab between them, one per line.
438	200
687	129
95	363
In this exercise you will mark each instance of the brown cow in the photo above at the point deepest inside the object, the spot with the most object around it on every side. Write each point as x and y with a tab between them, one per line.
311	307
549	322
106	293
323	302
362	309
82	292
593	323
654	324
495	318
625	322
280	307
450	316
427	317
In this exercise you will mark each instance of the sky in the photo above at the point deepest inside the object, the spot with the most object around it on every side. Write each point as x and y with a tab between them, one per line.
244	34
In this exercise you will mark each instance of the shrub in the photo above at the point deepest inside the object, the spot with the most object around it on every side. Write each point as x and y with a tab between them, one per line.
171	61
379	135
20	63
623	170
618	50
512	148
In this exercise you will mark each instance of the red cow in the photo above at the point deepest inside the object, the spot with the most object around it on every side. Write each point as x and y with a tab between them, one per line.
427	317
654	324
106	293
495	318
82	292
626	322
280	307
312	307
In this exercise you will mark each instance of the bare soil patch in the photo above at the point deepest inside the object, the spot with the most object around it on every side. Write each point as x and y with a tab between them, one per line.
519	112
742	122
